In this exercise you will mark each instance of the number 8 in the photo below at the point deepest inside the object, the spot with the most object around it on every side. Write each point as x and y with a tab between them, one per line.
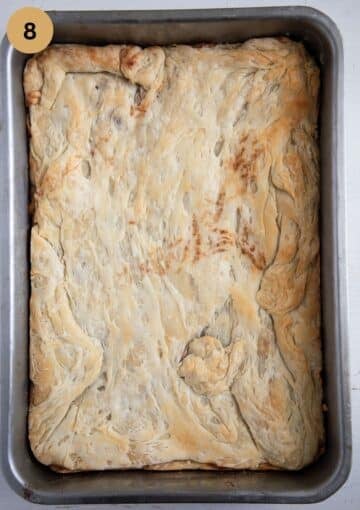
29	32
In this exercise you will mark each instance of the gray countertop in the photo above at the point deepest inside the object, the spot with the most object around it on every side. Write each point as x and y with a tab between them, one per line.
346	14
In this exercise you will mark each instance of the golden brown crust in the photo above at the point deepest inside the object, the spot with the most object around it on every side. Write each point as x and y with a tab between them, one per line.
174	314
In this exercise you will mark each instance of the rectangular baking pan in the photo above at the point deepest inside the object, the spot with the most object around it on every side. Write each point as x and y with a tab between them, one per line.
39	484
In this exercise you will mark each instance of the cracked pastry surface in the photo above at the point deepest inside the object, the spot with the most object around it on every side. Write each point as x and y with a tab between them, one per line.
175	311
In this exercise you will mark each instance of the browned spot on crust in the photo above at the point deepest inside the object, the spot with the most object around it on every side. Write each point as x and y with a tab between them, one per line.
223	231
301	103
171	256
244	138
160	270
296	109
263	346
139	110
224	240
33	97
219	206
58	469
282	39
244	162
197	238
248	248
185	252
175	243
129	57
204	45
265	466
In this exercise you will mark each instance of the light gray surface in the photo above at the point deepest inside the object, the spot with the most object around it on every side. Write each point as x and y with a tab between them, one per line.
347	15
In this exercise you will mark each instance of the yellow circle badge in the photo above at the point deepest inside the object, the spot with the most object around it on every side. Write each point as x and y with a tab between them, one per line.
30	30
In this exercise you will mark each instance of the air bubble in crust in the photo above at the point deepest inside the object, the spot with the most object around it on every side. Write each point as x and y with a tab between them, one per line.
86	169
186	201
111	186
139	95
218	147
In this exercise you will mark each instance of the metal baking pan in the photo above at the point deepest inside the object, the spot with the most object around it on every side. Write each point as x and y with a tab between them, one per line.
39	484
